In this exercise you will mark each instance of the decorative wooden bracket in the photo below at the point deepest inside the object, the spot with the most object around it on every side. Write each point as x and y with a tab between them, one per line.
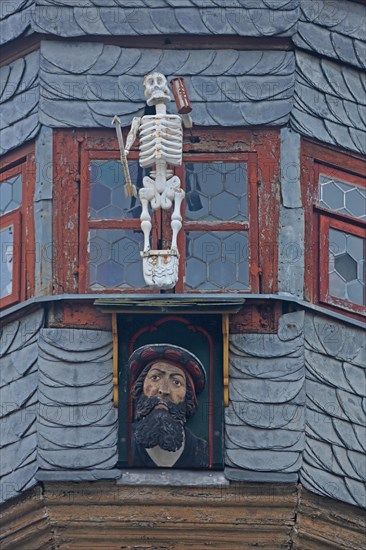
225	345
115	359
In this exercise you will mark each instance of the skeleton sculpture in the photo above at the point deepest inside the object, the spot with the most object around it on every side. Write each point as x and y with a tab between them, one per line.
161	144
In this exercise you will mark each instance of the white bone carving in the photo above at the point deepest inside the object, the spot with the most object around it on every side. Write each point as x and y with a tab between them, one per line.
161	144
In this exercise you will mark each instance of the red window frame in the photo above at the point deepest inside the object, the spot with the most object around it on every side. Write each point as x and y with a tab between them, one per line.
325	223
12	219
161	224
72	150
88	223
250	226
316	161
21	162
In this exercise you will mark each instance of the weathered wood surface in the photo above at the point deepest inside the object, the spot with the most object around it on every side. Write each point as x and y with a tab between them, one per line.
244	515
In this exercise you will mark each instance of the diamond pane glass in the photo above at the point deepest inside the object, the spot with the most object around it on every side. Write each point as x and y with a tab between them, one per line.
10	194
107	195
115	260
216	191
217	260
347	267
6	270
342	197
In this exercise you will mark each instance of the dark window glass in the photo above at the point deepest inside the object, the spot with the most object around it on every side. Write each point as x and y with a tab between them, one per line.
115	260
217	260
341	197
10	194
6	271
216	191
107	196
346	266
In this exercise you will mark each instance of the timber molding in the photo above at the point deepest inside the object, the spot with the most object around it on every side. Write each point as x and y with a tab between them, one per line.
103	515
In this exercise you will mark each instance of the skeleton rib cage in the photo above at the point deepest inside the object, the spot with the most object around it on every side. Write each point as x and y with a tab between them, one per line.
161	138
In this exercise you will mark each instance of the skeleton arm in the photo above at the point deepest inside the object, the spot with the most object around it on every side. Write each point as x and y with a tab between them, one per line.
187	121
132	134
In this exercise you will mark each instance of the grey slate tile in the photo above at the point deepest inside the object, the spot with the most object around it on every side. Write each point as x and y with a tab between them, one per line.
95	437
101	414
325	483
357	490
264	461
247	437
74	396
353	406
20	107
269	416
17	334
19	391
75	459
263	345
348	434
263	391
89	22
16	455
14	20
15	425
90	345
11	485
274	369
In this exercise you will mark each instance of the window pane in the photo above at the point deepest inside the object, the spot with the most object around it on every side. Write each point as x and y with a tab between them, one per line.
216	191
10	194
115	260
217	260
107	195
342	197
347	266
6	271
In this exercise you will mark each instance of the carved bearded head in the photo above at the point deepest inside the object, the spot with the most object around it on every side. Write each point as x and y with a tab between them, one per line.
156	89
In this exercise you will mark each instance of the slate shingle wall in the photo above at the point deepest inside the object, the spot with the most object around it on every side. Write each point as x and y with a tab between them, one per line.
19	99
155	17
264	424
86	84
330	102
335	29
15	19
77	422
18	404
334	459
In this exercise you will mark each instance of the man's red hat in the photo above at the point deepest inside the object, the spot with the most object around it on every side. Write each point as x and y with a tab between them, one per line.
180	357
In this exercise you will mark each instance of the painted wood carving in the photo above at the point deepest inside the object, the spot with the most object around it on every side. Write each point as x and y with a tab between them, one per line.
161	147
165	382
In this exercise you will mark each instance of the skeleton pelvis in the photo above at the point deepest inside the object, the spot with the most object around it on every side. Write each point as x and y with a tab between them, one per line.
159	194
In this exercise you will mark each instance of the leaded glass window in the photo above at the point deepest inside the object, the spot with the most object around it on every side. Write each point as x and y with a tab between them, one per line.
219	224
342	239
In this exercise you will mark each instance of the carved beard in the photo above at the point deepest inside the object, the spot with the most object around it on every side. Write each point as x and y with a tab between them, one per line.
159	426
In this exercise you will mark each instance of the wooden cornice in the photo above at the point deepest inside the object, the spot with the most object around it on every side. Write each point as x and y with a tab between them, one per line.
105	515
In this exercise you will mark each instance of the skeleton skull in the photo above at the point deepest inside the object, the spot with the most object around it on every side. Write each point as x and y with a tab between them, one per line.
156	89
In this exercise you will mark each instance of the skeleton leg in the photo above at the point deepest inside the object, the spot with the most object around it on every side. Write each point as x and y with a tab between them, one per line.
176	222
146	194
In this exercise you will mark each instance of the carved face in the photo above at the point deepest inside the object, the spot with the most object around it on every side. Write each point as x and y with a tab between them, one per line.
156	89
166	382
